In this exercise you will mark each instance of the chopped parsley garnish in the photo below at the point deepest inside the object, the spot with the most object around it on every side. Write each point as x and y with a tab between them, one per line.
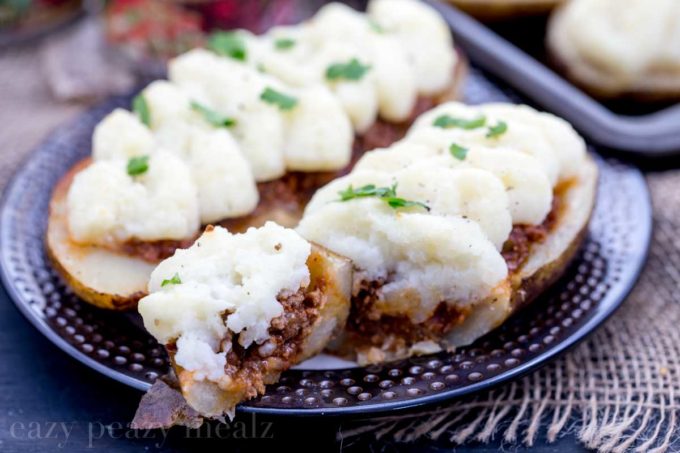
141	108
284	43
211	116
387	194
352	70
496	131
138	165
282	101
376	27
175	280
447	122
228	44
458	151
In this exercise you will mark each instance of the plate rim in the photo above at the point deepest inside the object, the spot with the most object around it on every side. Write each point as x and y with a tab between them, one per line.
611	303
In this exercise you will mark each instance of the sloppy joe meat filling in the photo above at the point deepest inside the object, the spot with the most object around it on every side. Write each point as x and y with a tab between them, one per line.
368	325
253	367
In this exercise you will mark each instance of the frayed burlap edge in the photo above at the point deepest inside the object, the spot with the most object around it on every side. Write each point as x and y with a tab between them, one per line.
619	391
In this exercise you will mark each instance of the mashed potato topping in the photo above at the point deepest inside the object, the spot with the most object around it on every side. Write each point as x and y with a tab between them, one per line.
284	101
460	184
225	284
106	205
614	50
623	43
313	135
403	46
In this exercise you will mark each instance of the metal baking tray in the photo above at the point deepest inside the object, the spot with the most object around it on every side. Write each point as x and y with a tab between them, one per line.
651	134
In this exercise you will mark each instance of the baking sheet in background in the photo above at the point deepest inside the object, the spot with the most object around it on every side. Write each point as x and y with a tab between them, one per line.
653	133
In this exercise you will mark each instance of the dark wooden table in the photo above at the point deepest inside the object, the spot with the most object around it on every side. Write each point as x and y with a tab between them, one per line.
50	402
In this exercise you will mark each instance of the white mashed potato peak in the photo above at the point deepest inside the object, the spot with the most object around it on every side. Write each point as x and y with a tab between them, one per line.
550	140
120	135
106	205
314	134
224	284
404	47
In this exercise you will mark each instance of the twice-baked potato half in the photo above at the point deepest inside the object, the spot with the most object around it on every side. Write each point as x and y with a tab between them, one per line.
503	9
472	215
103	277
619	52
259	123
234	311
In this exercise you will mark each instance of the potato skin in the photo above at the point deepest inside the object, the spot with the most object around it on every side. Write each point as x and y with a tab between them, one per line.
532	287
547	261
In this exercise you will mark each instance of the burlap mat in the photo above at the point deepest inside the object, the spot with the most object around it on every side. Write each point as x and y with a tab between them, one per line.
618	391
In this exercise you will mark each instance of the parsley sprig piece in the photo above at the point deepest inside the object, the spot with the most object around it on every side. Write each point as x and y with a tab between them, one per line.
284	43
282	101
141	108
448	122
497	130
352	70
375	26
228	44
458	151
175	280
211	116
138	165
387	194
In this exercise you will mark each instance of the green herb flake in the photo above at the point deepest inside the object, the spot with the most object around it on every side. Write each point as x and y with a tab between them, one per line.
282	101
387	194
228	44
352	70
141	108
376	27
175	280
458	151
447	122
211	116
284	43
496	131
138	165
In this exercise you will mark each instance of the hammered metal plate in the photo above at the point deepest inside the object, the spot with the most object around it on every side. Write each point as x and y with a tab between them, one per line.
116	344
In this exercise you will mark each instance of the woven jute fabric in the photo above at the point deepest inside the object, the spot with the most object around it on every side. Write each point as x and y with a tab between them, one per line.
618	391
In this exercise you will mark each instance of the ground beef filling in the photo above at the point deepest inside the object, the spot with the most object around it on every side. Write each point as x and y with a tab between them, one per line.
253	367
368	325
154	251
517	247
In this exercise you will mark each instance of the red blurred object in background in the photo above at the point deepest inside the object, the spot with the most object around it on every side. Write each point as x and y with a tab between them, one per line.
254	15
161	29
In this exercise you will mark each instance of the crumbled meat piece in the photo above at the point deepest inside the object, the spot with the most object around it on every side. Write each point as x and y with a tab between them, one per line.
286	334
154	251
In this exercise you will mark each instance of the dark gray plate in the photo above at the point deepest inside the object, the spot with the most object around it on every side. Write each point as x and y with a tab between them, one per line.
116	345
654	134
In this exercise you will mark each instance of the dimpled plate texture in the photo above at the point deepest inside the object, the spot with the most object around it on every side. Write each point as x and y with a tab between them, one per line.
117	345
